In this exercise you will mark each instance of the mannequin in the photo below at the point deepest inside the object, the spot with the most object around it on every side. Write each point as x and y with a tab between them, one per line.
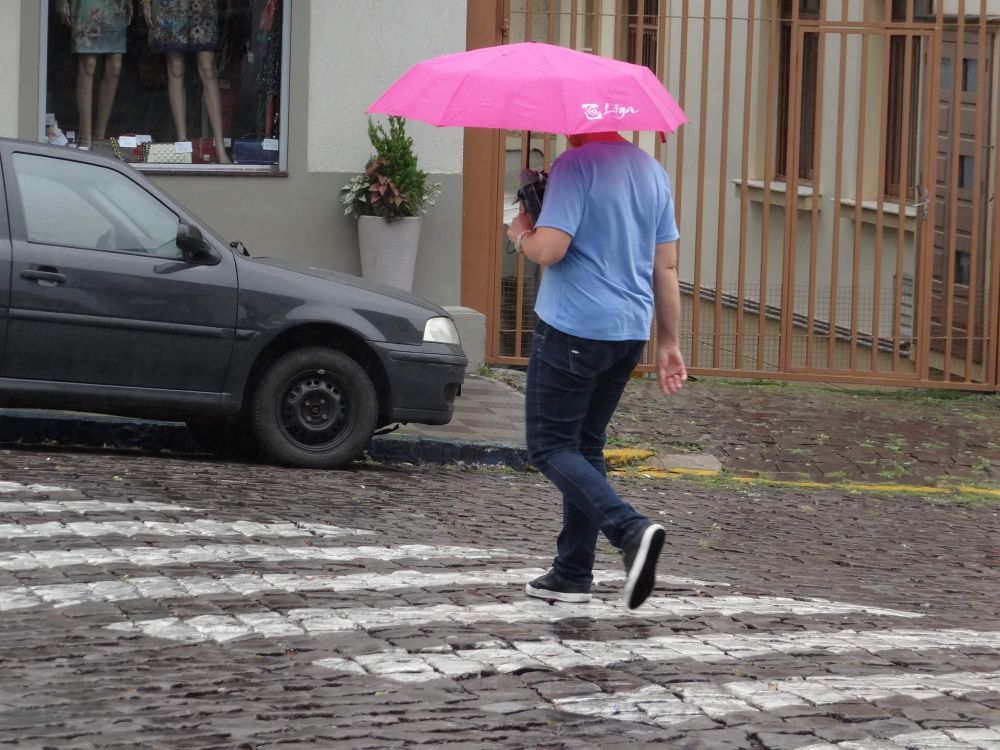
98	28
177	27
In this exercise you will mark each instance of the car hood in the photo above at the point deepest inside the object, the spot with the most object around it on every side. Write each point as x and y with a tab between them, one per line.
352	281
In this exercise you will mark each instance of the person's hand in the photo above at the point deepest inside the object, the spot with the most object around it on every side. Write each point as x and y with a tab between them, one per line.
670	370
521	223
147	12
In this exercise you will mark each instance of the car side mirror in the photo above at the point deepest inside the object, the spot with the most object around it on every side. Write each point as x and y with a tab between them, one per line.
194	247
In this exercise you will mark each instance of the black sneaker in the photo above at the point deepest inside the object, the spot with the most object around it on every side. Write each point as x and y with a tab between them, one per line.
640	564
553	588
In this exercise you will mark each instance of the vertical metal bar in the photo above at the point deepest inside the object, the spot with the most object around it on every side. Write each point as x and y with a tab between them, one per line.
519	302
992	345
744	193
662	11
574	19
699	224
619	13
859	194
956	123
980	154
484	209
769	148
720	239
681	100
548	138
595	28
904	186
925	279
880	210
838	194
638	30
992	352
528	9
816	182
792	148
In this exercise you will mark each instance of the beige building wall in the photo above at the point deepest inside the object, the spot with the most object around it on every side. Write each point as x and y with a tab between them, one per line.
10	65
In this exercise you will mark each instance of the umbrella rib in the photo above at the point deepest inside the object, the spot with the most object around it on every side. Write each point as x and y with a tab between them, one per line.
454	94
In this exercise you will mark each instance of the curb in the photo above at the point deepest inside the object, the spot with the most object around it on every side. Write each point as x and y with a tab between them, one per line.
31	427
26	427
425	450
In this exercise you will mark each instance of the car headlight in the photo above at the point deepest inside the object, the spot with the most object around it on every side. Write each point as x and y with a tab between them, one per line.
441	331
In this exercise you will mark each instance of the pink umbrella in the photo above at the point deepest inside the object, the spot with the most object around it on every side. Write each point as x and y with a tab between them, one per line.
532	86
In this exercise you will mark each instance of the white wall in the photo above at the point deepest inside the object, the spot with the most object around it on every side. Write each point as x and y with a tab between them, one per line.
357	50
10	68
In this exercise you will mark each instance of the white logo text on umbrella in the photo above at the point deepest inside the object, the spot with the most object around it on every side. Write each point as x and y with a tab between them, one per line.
616	111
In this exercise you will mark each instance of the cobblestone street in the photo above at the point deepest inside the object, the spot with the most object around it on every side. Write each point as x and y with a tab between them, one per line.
165	602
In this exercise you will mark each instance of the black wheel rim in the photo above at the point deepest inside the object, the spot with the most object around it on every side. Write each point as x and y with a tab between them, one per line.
316	411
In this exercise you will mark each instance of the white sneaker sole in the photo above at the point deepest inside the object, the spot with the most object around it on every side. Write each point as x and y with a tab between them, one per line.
642	576
556	596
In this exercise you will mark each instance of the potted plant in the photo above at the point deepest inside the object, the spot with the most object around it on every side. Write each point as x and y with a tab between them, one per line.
388	199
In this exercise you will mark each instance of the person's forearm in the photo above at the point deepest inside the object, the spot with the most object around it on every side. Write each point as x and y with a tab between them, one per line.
545	246
667	294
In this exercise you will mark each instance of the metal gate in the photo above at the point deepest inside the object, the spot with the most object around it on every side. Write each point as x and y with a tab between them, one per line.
833	186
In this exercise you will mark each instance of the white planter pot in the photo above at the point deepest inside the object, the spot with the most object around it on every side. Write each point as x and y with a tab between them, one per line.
389	250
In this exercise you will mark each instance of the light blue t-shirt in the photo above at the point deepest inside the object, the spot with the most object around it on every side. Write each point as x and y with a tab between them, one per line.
614	200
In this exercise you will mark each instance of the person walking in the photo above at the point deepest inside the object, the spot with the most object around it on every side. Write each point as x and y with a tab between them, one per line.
607	237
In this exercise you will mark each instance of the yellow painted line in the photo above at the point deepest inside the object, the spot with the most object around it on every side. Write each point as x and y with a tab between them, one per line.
650	472
625	456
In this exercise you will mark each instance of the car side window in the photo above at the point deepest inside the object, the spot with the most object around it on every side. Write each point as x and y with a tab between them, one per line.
83	205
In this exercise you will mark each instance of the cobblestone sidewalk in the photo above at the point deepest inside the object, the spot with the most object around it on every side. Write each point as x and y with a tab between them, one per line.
792	431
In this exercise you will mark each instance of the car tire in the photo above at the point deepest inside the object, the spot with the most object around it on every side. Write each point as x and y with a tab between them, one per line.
314	408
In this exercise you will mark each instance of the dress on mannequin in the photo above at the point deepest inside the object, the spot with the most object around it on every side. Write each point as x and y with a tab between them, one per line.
184	26
99	26
98	29
177	27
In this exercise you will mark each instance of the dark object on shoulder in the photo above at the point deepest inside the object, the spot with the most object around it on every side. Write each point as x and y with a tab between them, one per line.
532	192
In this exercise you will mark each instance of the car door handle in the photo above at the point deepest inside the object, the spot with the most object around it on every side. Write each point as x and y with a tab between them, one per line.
45	276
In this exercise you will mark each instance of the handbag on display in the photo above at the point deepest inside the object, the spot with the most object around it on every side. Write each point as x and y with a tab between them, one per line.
255	151
203	151
127	154
166	153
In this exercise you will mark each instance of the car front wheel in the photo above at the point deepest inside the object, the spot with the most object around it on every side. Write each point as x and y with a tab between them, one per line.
314	408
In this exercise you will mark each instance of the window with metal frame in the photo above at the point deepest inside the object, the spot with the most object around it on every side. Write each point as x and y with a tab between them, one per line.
193	87
808	9
641	32
899	83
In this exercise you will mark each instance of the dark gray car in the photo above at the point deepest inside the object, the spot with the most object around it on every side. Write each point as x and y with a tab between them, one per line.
117	300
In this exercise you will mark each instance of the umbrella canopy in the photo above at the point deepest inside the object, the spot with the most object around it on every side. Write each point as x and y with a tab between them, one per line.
532	86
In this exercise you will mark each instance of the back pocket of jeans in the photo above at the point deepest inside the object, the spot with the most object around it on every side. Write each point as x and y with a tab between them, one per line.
586	358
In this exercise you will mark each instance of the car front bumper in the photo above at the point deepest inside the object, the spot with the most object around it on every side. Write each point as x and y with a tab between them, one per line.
424	381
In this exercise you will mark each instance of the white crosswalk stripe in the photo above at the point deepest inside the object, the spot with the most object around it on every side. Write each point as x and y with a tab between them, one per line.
12	507
160	587
7	487
302	621
952	738
709	647
154	556
656	704
203	527
660	705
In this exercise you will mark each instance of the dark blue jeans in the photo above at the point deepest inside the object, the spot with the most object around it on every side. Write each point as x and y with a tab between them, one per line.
574	386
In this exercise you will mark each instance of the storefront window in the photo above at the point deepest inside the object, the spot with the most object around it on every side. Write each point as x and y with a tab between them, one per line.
168	84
